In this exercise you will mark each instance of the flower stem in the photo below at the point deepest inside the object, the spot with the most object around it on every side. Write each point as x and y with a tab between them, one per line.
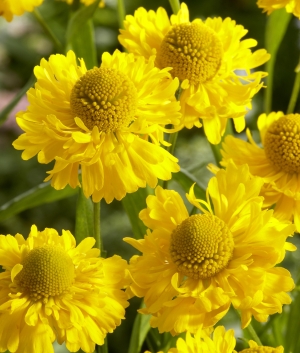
175	5
121	13
59	47
254	335
97	234
103	348
295	91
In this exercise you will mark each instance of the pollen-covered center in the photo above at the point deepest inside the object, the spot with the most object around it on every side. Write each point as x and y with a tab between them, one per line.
282	143
193	50
47	271
106	98
201	246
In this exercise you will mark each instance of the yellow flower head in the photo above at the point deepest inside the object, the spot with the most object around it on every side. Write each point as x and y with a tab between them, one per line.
192	268
52	290
9	8
202	342
109	121
254	348
291	6
213	63
277	162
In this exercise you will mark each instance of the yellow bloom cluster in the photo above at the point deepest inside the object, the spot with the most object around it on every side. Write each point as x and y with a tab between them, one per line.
9	8
291	6
52	289
200	265
104	129
215	66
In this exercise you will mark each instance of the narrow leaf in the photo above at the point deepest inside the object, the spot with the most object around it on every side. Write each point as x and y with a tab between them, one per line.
79	19
5	112
84	45
185	179
84	226
140	330
275	30
39	195
133	204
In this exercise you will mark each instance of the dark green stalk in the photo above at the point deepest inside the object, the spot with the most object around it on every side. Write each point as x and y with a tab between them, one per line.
295	91
58	46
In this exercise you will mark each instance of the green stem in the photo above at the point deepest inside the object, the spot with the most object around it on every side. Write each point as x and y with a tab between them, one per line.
254	335
175	5
103	348
97	234
59	47
269	89
295	91
121	13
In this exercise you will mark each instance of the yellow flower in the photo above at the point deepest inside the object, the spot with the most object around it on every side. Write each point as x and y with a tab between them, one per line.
9	8
51	289
277	162
86	2
254	348
221	342
291	6
109	121
192	268
213	63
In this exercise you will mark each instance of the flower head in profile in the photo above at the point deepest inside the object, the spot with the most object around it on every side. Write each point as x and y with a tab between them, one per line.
277	162
9	8
291	6
220	341
107	121
52	290
255	348
209	57
197	266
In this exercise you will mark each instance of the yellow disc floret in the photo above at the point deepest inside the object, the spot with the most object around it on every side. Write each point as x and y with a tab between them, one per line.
104	97
193	50
282	143
47	271
201	246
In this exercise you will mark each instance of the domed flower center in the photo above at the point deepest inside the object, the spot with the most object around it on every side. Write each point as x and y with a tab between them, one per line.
282	143
47	271
193	50
261	349
201	246
106	98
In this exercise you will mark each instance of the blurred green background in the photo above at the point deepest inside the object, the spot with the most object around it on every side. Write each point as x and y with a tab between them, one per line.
23	43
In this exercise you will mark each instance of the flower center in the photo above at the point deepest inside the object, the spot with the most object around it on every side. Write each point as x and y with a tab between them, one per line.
193	50
201	246
282	143
47	271
104	97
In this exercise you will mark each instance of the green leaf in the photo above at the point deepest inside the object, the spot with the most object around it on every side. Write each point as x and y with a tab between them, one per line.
5	112
185	179
79	19
84	45
133	204
84	226
292	341
140	330
39	195
275	30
